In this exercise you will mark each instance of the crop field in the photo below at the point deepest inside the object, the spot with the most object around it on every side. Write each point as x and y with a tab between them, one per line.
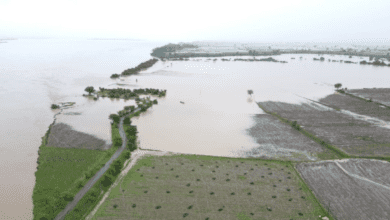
381	95
353	136
352	189
358	106
280	141
206	187
63	136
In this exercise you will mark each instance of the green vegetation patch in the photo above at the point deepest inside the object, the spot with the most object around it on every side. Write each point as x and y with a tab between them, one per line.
62	172
208	198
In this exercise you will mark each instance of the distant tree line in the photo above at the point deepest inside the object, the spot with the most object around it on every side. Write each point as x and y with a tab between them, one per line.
170	48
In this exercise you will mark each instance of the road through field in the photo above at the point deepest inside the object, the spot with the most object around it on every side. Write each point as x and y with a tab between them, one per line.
99	174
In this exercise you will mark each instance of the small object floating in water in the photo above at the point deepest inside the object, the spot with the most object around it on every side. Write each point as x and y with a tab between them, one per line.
181	102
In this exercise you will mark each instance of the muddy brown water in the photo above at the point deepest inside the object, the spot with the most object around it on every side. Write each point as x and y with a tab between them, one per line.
213	120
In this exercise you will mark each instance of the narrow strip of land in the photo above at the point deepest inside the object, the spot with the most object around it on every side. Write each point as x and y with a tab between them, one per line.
98	175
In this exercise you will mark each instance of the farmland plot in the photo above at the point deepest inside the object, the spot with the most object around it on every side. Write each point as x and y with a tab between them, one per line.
62	135
352	135
358	106
205	187
351	188
381	95
278	140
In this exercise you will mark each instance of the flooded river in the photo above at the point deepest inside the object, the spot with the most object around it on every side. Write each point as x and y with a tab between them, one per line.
213	120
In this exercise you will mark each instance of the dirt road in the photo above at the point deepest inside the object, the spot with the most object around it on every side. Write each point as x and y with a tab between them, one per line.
97	176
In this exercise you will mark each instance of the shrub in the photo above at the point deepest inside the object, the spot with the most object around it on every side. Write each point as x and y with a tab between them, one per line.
115	206
155	101
290	199
54	106
190	207
146	191
158	207
134	205
127	155
191	191
168	192
188	185
185	215
274	197
114	76
232	193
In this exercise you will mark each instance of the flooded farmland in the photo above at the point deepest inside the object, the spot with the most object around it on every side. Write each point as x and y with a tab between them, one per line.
214	119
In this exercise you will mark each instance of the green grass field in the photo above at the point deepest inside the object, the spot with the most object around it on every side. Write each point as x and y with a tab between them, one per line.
61	173
206	187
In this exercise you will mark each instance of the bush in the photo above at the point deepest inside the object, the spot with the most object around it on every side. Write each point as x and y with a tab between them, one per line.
114	76
115	118
54	106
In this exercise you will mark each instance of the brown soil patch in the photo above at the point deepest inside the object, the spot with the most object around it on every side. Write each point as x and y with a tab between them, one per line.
62	135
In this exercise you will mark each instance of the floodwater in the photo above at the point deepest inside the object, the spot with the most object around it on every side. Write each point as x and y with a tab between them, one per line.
37	73
213	119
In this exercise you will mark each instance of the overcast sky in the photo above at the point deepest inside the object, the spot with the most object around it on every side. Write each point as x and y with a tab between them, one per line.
180	20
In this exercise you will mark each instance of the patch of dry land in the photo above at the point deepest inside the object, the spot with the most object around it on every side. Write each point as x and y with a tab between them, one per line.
351	135
354	188
206	187
280	141
62	135
381	95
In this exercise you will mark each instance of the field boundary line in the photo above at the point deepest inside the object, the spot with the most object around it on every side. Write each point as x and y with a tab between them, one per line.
360	177
310	190
336	150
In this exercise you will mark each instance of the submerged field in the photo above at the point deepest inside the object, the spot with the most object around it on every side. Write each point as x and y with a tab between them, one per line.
379	95
354	189
358	106
351	135
205	187
280	141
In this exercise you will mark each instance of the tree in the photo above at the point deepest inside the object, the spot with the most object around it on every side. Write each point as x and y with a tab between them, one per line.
337	85
89	89
250	92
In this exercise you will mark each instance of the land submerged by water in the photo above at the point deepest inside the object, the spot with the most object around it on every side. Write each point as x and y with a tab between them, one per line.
290	182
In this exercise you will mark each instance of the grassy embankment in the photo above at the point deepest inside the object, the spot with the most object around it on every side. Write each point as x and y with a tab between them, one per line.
95	194
207	187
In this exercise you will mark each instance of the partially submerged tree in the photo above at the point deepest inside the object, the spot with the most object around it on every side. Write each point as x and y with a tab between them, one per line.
54	106
250	92
338	85
89	89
